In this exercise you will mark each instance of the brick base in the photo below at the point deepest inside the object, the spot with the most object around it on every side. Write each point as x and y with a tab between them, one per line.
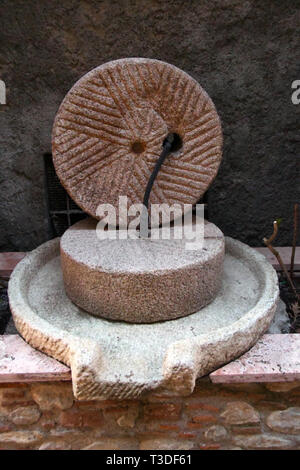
215	416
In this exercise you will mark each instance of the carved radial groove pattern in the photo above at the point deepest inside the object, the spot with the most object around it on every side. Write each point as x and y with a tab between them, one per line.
132	101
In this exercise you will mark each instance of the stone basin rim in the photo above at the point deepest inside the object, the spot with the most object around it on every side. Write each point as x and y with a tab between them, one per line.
185	355
33	256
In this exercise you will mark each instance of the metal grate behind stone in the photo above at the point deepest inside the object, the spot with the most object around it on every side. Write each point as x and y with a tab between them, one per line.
62	212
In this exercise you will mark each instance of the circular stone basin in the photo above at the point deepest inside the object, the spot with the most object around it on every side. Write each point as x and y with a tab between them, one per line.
122	360
140	280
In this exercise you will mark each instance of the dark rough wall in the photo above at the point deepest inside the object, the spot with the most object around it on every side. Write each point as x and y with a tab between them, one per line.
244	53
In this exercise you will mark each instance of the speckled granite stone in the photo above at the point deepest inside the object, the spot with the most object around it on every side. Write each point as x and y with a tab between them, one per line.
142	280
109	131
121	360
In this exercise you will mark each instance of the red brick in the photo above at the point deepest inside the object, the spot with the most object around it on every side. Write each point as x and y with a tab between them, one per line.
13	395
186	435
5	428
203	406
204	419
10	405
48	425
70	419
116	411
109	402
104	404
270	405
48	420
13	385
169	411
169	427
245	430
151	435
92	419
192	425
85	404
156	397
210	447
254	397
73	418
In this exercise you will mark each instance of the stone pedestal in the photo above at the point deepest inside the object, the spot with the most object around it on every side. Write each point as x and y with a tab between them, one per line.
142	280
122	360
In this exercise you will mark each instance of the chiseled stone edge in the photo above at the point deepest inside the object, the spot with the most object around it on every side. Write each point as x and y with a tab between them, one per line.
187	360
184	360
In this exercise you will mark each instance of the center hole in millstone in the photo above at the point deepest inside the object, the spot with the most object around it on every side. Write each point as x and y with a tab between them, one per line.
138	147
177	141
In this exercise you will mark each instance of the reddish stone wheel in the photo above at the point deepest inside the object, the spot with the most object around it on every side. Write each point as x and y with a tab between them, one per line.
109	131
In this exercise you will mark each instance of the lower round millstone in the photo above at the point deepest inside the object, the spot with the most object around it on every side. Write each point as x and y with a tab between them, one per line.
142	280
